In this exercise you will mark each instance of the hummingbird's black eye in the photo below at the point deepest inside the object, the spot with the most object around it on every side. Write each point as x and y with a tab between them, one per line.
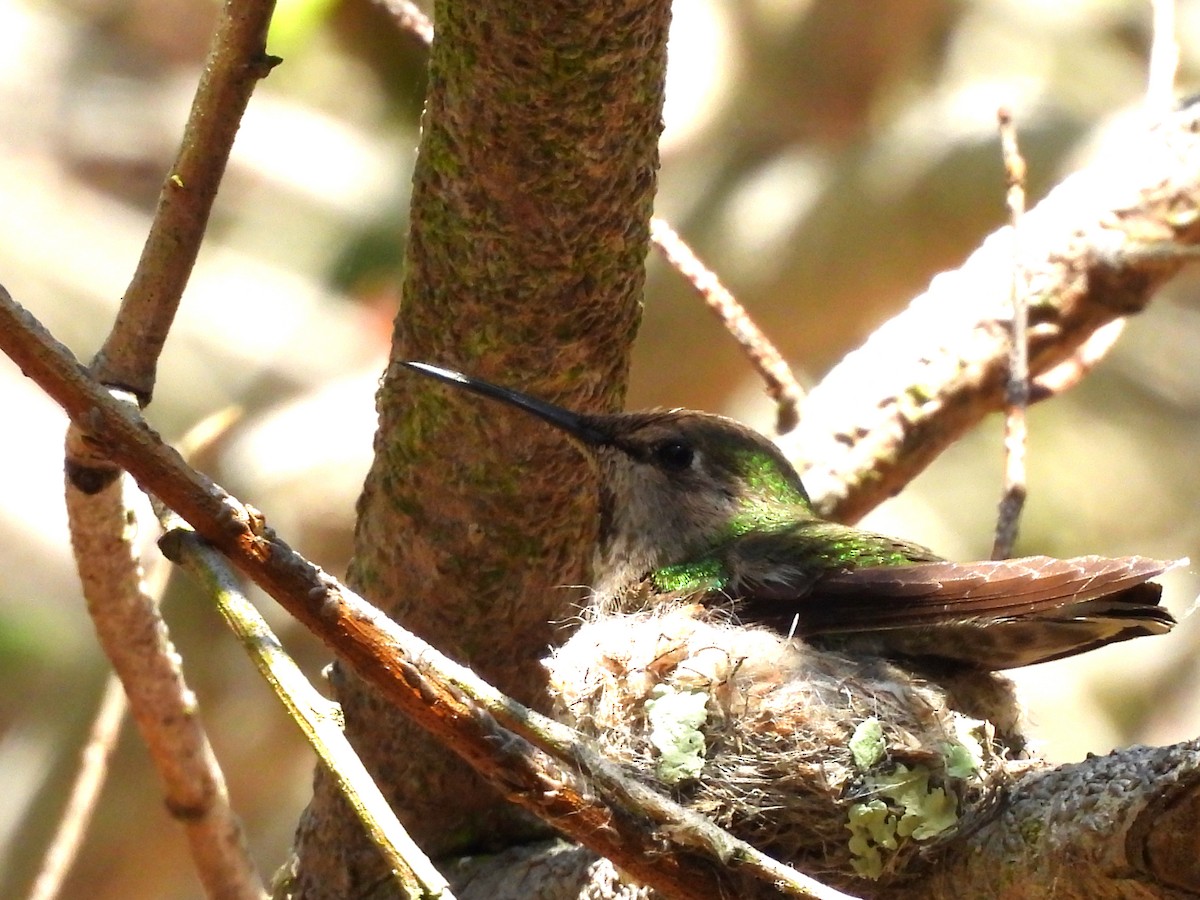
674	456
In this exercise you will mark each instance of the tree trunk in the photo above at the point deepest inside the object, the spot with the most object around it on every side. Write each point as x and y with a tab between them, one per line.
532	196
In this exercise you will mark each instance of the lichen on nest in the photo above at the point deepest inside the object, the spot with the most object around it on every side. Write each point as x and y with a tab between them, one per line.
840	765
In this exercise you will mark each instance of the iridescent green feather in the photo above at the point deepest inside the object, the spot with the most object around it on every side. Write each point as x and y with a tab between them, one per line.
699	577
813	545
776	529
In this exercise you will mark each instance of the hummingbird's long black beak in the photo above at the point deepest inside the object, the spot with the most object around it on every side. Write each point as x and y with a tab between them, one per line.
579	427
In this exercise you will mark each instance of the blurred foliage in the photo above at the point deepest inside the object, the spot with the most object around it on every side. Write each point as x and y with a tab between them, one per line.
826	160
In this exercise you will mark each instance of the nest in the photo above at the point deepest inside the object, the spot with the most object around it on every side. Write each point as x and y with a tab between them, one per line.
840	765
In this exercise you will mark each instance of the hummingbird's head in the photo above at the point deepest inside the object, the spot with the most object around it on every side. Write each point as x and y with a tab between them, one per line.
673	483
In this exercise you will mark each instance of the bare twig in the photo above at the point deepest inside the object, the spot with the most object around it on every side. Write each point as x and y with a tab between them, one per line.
237	59
319	719
407	671
84	792
135	639
781	383
1164	58
125	616
1160	98
1016	433
93	770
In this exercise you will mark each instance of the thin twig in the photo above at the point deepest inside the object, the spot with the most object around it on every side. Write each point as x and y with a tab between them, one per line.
781	383
410	18
1160	97
237	60
406	670
318	718
93	767
1016	432
1070	372
1164	58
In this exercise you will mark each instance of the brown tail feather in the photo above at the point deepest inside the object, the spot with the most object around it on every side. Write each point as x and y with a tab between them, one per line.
990	615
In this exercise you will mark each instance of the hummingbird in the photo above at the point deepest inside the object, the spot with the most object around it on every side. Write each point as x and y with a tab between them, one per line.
699	508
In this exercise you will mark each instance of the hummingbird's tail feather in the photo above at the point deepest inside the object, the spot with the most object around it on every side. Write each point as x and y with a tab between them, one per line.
999	614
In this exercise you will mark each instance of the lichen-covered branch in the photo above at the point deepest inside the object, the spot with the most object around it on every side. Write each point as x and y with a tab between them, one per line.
1109	827
318	718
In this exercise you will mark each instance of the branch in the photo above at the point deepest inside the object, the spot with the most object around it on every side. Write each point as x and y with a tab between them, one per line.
85	790
1016	388
781	383
136	641
405	670
126	618
237	60
932	372
319	719
1115	826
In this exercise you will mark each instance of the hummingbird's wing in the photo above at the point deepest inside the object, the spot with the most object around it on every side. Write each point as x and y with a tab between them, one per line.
991	615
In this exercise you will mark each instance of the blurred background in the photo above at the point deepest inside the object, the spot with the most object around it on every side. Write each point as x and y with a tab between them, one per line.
825	158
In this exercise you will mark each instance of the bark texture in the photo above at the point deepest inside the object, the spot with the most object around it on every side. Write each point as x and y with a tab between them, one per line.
531	202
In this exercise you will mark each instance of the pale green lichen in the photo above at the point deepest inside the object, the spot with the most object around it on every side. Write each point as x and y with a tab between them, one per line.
916	811
675	719
867	744
927	811
964	755
872	826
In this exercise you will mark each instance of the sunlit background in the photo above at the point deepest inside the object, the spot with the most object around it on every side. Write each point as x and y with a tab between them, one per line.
826	158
